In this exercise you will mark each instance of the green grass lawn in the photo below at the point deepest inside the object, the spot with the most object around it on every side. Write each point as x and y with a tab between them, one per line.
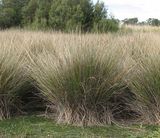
32	126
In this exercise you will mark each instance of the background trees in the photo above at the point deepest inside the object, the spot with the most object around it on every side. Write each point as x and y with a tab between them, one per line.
153	22
11	13
71	15
60	15
132	21
29	11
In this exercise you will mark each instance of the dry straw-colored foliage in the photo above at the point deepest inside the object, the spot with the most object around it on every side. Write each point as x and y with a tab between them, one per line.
87	79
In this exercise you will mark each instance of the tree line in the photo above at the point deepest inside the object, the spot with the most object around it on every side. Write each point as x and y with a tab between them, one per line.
59	15
134	21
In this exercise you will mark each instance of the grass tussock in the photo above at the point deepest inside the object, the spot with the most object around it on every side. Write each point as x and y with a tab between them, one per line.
86	79
82	82
12	77
146	86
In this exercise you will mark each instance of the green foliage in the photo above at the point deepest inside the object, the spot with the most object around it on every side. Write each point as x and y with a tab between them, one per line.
153	22
60	15
11	13
132	21
7	17
106	25
29	12
101	23
41	19
87	8
100	12
69	15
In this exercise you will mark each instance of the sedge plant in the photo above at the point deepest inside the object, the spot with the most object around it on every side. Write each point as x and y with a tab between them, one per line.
12	77
81	83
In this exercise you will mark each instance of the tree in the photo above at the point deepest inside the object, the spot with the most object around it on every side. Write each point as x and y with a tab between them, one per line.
142	23
42	13
153	22
69	14
29	11
75	17
132	21
101	23
7	18
87	8
100	12
57	15
61	15
10	14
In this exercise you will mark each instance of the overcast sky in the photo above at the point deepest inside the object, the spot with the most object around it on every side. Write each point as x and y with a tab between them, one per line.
143	9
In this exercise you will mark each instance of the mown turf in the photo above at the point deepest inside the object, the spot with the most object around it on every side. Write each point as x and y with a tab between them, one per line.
38	127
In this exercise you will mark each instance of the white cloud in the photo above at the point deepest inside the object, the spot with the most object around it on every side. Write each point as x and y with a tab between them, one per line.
143	9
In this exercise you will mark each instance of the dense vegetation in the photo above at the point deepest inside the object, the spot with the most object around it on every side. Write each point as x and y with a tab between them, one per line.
148	22
59	15
81	79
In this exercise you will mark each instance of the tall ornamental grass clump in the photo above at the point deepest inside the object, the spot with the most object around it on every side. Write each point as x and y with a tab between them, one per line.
11	79
84	84
146	86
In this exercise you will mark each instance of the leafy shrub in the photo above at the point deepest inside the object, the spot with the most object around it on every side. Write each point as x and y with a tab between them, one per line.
106	25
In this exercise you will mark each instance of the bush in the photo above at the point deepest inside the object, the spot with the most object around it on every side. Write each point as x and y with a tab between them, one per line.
106	25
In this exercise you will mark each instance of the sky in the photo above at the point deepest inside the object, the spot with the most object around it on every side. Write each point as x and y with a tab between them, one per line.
143	9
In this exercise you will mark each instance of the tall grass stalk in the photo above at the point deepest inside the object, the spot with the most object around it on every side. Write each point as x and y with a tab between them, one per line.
86	78
11	79
146	86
